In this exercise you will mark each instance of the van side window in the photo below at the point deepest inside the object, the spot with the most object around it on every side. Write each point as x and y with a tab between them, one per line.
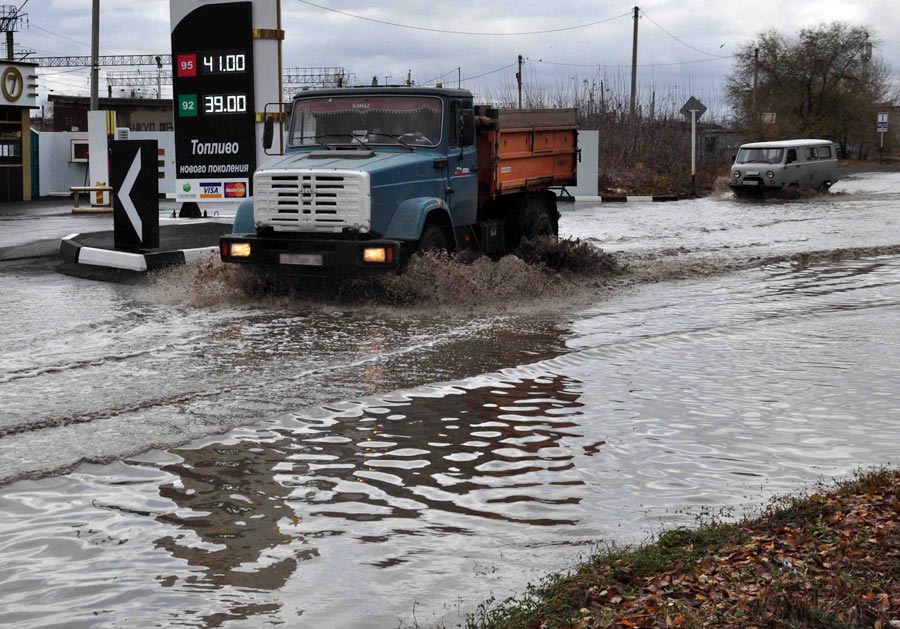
824	152
791	156
811	154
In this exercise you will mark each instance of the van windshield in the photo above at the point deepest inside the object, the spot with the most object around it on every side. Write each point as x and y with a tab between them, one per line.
760	156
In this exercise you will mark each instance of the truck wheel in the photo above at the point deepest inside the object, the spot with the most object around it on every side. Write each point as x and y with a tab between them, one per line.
433	238
536	219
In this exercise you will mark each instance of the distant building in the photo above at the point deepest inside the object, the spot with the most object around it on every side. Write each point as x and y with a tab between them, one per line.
18	95
69	113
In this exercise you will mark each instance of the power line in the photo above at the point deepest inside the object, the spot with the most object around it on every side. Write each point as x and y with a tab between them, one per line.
438	30
69	39
59	36
42	75
640	65
438	78
470	78
680	41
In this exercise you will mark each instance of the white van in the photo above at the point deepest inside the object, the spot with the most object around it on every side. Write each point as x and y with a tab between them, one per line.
770	167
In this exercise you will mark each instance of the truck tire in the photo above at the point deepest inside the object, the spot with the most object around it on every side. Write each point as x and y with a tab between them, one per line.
536	219
433	238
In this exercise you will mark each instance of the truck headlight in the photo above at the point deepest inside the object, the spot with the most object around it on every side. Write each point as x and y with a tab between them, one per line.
770	174
737	174
235	249
378	255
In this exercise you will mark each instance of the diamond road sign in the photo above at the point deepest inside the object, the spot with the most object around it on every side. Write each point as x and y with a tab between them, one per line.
693	105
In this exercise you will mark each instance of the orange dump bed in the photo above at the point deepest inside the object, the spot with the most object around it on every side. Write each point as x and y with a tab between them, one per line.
525	149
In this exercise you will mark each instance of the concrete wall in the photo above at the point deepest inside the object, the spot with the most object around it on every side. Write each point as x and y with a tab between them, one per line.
58	172
589	167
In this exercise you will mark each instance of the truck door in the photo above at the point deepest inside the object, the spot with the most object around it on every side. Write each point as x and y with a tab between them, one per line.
462	168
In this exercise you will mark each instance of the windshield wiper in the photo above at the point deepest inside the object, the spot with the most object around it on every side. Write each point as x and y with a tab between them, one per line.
330	147
396	137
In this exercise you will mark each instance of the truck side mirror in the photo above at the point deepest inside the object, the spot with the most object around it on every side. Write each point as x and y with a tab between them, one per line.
466	127
268	132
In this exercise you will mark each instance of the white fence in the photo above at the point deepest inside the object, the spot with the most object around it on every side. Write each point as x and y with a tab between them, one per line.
58	170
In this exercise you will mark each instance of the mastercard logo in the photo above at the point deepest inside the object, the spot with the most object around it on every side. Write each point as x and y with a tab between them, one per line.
235	190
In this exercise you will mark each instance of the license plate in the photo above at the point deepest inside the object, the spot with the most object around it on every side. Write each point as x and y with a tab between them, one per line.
751	183
301	259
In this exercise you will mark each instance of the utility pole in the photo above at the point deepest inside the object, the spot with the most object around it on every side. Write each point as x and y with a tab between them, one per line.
158	77
753	112
10	21
634	61
519	81
95	54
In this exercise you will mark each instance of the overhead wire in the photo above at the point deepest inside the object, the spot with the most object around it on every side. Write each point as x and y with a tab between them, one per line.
478	76
640	65
438	78
680	41
471	78
450	32
59	36
79	69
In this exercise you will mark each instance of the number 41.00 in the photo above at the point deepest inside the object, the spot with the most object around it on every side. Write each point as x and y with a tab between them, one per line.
214	64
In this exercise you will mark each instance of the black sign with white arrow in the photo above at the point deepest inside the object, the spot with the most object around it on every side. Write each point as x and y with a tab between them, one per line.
135	183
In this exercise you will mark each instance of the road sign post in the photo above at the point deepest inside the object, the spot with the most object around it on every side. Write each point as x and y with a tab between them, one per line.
881	126
693	108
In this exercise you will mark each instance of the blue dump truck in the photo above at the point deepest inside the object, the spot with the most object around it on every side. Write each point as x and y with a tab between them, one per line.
371	175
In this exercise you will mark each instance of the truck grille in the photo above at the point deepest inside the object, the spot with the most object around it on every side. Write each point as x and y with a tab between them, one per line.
312	200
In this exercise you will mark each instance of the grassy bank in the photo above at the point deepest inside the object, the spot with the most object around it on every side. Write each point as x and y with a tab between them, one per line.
821	560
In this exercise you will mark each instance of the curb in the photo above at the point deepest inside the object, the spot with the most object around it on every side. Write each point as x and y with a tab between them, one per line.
638	199
74	253
657	198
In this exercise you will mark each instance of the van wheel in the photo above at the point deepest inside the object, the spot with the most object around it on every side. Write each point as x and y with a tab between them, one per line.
824	187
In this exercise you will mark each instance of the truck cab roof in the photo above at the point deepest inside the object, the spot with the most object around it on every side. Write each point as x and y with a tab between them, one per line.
383	90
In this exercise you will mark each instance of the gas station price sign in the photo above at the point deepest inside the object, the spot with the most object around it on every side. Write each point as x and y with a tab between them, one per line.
215	117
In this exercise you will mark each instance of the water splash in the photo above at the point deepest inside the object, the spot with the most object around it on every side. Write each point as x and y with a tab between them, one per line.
540	272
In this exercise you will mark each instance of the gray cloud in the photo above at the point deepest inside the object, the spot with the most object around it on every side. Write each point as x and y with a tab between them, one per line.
315	37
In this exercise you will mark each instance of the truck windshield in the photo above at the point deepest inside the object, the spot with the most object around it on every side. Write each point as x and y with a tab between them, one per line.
390	120
760	156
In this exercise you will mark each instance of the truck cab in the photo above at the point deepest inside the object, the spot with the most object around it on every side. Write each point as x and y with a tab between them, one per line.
372	174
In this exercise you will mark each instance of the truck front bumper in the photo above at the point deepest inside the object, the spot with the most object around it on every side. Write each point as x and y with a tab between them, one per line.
292	256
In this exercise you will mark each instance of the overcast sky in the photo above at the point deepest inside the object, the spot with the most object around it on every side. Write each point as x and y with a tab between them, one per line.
317	37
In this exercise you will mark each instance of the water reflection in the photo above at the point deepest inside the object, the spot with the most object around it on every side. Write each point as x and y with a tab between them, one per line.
461	453
250	512
228	497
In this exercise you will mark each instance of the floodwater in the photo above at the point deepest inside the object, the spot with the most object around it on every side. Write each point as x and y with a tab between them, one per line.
230	462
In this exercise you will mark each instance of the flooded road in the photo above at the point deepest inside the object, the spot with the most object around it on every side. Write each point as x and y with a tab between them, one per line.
225	462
